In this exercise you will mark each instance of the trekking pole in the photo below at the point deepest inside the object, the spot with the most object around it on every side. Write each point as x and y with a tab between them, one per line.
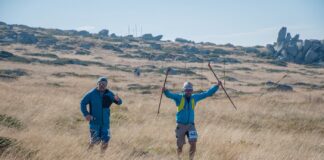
221	85
275	84
281	78
166	76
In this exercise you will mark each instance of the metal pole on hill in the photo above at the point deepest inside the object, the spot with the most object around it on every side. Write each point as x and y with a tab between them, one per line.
201	70
221	85
224	72
166	77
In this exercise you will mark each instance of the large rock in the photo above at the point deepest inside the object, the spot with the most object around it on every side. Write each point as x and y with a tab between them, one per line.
182	40
62	47
87	45
8	36
190	49
2	23
288	38
126	45
316	44
280	87
270	48
283	55
251	50
307	45
103	33
155	46
294	40
299	45
26	38
322	47
279	47
47	40
158	37
111	47
288	48
5	54
311	56
84	33
282	35
300	57
292	50
150	37
113	35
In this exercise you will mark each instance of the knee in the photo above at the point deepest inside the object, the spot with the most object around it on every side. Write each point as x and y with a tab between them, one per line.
192	143
192	146
180	149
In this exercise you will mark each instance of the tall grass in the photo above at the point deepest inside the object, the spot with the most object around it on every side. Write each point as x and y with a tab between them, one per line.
275	126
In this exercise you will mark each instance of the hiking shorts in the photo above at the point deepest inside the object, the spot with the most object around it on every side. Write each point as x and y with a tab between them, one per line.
99	134
182	131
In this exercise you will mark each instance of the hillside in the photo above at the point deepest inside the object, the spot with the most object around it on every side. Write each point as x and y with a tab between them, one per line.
45	72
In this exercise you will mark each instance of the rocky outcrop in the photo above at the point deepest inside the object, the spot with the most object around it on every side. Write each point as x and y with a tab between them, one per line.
292	49
5	54
87	45
150	37
83	33
156	46
26	38
82	52
271	86
46	40
62	47
111	47
182	40
103	33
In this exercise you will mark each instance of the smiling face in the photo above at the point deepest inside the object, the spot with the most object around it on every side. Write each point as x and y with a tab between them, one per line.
102	85
188	92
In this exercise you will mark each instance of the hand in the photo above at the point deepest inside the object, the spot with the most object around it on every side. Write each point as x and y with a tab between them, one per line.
88	117
163	89
217	83
116	98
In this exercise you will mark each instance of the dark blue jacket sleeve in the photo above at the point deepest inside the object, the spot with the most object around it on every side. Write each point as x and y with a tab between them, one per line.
116	102
84	102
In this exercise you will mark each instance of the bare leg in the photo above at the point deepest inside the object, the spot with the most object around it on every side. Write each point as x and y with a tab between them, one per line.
192	150
179	151
90	147
104	147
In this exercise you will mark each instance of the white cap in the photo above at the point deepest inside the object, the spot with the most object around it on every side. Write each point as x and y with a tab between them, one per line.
187	85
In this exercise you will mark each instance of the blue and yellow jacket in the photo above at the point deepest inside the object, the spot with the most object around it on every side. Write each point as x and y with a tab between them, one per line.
186	106
99	106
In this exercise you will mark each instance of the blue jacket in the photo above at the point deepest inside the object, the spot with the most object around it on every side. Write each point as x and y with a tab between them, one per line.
99	106
186	108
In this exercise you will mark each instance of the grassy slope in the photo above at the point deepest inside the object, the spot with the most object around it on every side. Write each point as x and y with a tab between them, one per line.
274	126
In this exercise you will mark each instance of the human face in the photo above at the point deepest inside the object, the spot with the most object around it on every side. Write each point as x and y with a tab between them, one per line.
188	92
102	85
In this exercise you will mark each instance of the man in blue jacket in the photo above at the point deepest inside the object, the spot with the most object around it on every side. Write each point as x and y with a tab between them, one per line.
98	114
185	116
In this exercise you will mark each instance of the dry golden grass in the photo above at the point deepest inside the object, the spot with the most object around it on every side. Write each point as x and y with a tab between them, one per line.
275	126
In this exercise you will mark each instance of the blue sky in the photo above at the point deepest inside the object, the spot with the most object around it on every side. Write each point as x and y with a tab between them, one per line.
240	22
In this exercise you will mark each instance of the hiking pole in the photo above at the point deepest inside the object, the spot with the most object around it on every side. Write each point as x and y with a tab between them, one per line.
281	78
221	85
275	84
166	76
